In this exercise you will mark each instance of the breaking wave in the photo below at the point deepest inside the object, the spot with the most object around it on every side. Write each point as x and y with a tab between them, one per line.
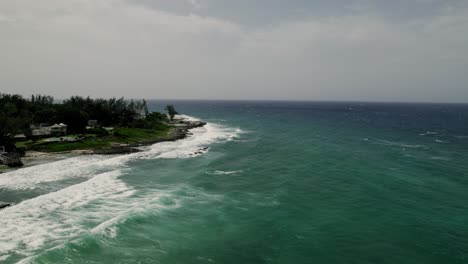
94	205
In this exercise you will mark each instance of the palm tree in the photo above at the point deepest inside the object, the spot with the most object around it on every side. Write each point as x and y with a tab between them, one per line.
171	111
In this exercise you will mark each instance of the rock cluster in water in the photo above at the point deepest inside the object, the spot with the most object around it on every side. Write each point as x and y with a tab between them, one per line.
4	205
11	159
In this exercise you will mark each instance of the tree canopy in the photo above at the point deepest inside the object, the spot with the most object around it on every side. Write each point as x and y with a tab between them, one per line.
171	111
17	114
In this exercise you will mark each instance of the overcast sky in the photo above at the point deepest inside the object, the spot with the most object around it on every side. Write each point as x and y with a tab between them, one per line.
366	50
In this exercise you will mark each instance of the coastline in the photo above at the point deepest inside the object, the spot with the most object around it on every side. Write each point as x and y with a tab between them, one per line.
180	129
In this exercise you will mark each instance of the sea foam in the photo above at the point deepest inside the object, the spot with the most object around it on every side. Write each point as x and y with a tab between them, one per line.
93	206
221	172
30	177
53	217
88	166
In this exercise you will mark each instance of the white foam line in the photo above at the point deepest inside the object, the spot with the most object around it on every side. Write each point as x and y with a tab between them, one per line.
54	217
87	166
142	205
202	137
221	172
27	178
399	144
184	148
4	257
111	213
105	212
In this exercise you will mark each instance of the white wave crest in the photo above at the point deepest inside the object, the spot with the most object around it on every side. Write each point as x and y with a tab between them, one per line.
193	145
398	144
53	217
427	133
93	206
88	166
48	228
220	172
26	178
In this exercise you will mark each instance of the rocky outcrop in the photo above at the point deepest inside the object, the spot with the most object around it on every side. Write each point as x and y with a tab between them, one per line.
180	131
11	159
4	205
114	150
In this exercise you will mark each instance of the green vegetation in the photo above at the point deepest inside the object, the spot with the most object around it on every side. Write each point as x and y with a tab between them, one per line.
14	115
135	135
98	142
23	144
67	146
171	111
117	121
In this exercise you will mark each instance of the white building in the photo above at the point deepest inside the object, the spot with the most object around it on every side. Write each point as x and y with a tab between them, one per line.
56	129
59	129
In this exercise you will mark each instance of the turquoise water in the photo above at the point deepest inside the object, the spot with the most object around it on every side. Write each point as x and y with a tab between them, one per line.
280	183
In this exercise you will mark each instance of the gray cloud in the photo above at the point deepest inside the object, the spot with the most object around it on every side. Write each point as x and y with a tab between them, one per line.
116	47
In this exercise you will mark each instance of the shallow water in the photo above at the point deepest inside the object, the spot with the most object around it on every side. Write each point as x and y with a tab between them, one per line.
279	183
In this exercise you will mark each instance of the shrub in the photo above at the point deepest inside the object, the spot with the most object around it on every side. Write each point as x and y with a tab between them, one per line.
98	131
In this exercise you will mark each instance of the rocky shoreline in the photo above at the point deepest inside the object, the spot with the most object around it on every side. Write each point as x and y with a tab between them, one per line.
180	130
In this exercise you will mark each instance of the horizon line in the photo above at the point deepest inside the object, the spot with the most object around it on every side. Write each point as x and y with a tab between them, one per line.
262	100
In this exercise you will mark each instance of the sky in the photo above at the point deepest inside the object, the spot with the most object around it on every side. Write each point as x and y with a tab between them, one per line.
320	50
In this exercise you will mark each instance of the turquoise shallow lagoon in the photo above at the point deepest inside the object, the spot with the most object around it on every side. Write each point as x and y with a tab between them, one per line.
280	182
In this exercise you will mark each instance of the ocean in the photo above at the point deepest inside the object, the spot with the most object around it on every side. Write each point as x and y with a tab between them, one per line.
262	182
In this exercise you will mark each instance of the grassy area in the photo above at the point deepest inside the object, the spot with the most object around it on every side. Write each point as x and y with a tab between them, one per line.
23	144
135	135
121	135
66	146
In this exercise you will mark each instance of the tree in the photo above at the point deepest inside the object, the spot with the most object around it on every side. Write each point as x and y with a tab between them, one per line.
171	111
156	117
14	115
75	118
145	107
17	114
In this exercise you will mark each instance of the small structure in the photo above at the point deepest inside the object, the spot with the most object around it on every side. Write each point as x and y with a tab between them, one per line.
109	130
44	130
58	129
41	130
92	124
2	150
19	137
